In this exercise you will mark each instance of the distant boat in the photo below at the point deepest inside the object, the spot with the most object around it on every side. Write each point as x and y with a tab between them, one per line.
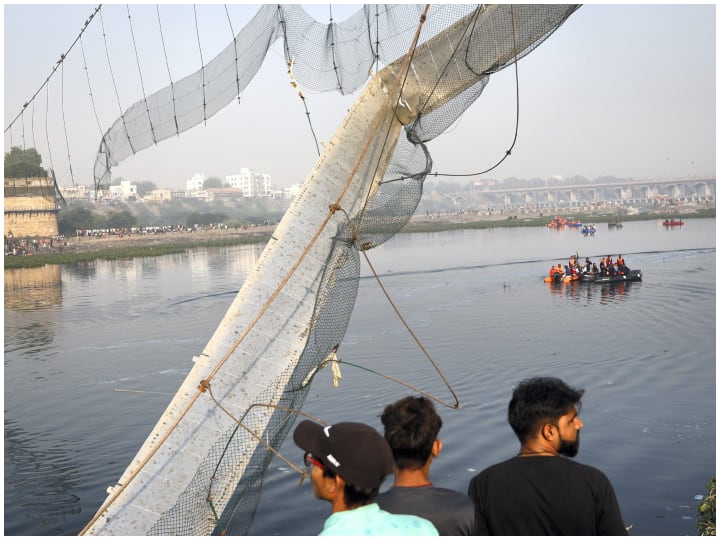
673	222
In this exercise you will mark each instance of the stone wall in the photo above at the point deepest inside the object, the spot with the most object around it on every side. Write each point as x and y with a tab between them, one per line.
30	207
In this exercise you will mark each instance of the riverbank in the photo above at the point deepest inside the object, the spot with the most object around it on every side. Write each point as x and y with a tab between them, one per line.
84	249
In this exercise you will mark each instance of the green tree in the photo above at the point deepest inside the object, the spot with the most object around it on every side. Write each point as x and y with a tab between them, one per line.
145	187
77	218
26	163
119	220
212	182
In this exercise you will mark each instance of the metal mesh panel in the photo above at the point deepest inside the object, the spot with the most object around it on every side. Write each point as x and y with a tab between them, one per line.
374	166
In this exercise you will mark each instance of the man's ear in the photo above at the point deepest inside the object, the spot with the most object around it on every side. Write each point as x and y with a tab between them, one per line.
334	485
548	432
436	448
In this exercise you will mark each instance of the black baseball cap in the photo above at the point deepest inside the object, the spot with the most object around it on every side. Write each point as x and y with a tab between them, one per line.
356	452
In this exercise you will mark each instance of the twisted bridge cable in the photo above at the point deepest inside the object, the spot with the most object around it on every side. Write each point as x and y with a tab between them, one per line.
54	69
167	64
92	98
237	60
22	123
293	82
202	64
112	76
412	334
416	339
517	111
47	132
62	108
32	124
331	36
142	84
404	69
261	312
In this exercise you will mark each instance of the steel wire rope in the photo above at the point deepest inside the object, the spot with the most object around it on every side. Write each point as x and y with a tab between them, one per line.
142	83
237	72
412	334
32	124
205	384
22	123
117	94
92	98
517	114
405	72
331	34
202	64
517	108
47	132
62	109
290	62
54	69
167	64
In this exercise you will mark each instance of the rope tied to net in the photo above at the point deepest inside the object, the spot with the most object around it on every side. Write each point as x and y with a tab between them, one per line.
273	296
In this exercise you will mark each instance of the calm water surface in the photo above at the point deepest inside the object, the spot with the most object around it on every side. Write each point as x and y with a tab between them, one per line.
93	354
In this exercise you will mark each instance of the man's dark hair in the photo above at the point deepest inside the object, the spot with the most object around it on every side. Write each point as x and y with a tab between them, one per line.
411	427
353	495
538	401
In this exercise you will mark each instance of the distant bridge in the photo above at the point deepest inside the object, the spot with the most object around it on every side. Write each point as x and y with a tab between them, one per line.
627	192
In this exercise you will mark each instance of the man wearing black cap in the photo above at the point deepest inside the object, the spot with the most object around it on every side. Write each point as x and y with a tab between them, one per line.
348	463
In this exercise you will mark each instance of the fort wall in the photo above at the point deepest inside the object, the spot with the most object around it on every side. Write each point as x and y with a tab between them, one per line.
30	207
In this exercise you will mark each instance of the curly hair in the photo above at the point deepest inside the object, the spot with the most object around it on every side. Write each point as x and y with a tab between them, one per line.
411	427
538	401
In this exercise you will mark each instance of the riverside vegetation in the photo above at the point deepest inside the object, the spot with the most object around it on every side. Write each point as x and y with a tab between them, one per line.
82	250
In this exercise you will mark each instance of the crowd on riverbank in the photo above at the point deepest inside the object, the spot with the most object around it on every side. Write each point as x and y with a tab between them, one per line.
110	239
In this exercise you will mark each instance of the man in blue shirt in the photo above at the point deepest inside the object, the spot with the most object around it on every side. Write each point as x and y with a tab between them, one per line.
348	463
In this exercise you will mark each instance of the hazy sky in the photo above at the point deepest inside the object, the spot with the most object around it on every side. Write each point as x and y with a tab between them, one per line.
618	90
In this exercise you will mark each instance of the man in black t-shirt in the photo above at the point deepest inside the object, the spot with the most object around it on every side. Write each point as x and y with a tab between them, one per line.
540	491
411	429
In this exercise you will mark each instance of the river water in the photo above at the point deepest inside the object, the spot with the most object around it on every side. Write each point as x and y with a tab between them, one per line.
94	352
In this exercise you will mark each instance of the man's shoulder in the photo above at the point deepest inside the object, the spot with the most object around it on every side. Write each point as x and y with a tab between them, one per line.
420	492
370	520
559	463
452	512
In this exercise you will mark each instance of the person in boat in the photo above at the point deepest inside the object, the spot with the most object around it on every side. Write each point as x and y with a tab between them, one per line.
411	427
622	268
602	267
595	270
540	491
587	267
348	462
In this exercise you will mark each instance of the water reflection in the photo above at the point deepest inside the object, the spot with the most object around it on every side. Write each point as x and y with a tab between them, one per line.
587	293
83	270
31	289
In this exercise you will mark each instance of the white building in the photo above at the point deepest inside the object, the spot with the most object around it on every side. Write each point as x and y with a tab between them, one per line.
196	182
251	184
74	192
124	191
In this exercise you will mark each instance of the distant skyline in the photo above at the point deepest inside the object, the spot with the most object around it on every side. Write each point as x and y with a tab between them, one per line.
618	90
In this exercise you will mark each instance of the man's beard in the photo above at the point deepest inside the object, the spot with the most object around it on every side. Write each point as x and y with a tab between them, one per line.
569	448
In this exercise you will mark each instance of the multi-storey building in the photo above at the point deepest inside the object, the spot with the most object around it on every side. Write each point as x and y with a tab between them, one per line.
251	184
